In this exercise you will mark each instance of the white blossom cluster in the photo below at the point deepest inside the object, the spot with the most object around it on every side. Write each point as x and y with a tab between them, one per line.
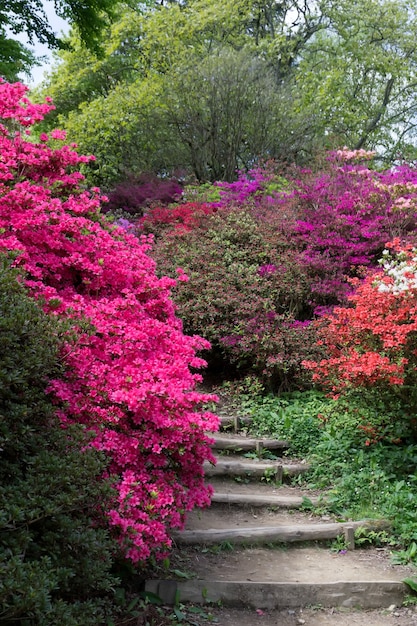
402	270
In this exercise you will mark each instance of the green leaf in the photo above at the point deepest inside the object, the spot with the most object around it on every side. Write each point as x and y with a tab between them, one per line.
182	574
411	582
179	614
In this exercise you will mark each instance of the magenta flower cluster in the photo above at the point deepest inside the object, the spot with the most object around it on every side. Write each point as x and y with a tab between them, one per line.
345	216
246	187
338	218
131	371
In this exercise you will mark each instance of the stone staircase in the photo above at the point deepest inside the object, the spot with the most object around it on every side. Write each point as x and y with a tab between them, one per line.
261	545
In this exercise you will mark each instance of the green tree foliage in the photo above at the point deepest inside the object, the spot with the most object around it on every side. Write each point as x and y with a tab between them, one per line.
227	109
126	131
361	73
82	75
89	17
55	559
15	58
174	90
213	85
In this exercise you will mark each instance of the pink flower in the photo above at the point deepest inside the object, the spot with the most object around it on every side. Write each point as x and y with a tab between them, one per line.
130	372
58	134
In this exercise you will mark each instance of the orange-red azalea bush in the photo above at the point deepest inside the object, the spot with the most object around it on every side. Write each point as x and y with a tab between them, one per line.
372	343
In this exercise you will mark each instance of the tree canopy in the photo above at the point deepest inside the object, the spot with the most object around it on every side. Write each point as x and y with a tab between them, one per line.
29	17
211	86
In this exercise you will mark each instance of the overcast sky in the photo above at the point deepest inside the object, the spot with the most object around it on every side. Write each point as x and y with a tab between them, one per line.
58	26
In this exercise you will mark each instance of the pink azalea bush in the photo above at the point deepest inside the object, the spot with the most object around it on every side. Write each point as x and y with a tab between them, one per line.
131	374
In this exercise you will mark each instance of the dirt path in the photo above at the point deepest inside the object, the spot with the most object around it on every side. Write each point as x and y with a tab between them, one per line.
394	616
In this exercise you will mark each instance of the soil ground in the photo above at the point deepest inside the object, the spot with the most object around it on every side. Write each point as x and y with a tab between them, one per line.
221	616
395	616
226	516
294	564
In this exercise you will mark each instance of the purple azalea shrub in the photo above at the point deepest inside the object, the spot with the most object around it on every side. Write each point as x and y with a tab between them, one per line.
346	215
136	194
246	292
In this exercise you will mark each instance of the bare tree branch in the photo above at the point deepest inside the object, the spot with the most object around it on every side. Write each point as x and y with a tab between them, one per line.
374	122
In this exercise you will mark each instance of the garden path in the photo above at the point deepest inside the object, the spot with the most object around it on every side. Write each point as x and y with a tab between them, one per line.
260	553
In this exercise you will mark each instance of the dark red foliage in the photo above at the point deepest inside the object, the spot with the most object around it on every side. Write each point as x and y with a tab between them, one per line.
137	193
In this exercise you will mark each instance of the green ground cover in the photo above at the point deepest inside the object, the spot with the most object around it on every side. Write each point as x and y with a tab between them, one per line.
360	480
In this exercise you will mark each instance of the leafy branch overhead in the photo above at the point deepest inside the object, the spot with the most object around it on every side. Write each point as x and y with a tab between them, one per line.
89	17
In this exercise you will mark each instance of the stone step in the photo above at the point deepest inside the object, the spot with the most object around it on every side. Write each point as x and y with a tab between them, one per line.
295	563
276	533
224	441
297	577
260	494
254	468
259	500
364	594
224	516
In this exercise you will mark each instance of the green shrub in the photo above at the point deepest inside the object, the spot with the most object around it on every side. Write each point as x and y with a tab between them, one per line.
55	556
247	294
